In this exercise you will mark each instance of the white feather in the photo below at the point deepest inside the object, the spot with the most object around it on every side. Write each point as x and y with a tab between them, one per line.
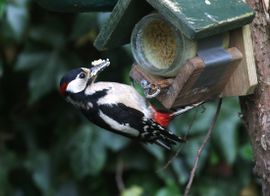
76	85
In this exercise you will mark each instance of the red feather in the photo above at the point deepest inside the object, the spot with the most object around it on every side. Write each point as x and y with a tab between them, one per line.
162	118
63	88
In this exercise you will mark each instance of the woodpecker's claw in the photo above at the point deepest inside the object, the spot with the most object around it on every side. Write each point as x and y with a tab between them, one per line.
99	66
150	90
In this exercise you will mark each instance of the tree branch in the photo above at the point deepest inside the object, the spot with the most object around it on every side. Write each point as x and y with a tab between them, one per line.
119	175
205	141
256	107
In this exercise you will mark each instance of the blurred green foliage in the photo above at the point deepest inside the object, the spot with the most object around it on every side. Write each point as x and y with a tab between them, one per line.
46	146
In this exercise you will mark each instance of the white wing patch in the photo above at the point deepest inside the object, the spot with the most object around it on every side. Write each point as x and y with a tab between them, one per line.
125	128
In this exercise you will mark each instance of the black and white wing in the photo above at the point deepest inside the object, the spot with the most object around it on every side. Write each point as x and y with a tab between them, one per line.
132	123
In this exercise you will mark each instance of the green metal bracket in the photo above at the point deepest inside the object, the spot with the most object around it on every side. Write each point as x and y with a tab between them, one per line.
77	5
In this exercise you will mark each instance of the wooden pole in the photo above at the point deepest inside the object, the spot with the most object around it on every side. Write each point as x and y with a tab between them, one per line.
256	108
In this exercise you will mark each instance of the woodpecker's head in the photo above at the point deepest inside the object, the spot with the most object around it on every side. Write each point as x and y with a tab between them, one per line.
77	80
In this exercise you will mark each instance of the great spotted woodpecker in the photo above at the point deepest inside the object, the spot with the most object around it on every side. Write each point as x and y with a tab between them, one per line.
117	107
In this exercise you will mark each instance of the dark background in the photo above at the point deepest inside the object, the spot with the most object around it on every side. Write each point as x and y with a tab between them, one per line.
48	148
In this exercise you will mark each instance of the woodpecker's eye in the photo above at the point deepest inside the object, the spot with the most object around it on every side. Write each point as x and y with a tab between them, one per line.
82	75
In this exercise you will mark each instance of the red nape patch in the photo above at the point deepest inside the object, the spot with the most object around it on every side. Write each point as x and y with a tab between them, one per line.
63	88
162	118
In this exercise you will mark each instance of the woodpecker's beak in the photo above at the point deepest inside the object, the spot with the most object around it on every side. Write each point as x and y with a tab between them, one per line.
98	66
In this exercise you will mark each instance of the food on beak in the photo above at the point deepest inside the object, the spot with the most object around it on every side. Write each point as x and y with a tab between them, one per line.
98	66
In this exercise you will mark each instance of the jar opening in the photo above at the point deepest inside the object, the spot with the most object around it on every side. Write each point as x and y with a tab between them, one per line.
158	47
159	43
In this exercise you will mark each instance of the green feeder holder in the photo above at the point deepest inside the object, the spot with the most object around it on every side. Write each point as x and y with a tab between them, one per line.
189	51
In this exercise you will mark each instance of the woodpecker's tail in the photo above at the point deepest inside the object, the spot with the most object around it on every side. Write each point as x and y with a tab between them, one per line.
167	143
167	139
153	132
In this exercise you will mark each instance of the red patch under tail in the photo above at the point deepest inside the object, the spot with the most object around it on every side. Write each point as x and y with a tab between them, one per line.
162	118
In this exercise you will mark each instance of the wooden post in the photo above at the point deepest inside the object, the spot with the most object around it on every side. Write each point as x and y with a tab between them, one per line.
244	79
